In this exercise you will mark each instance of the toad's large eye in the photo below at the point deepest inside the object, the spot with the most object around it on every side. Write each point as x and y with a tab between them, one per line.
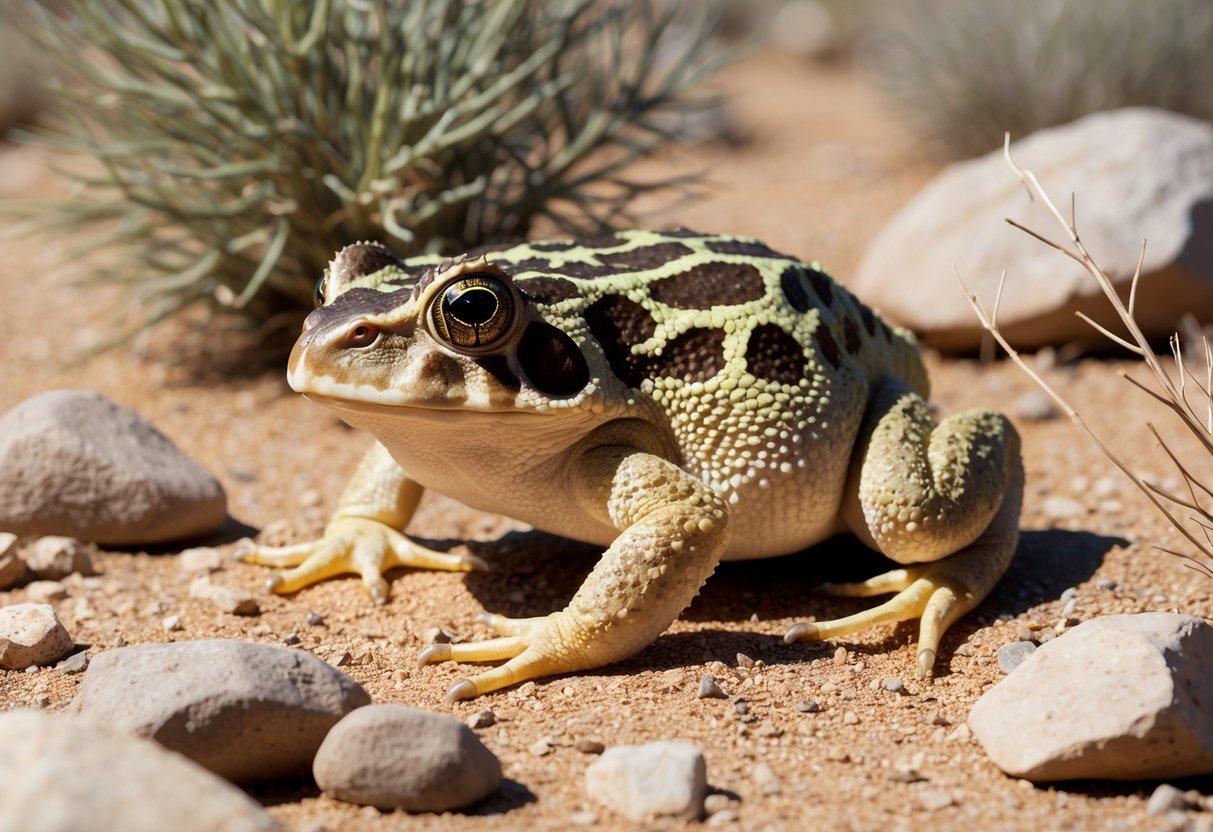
318	292
473	312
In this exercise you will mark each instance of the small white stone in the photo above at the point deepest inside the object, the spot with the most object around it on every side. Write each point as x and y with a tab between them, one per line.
646	781
201	559
31	636
171	623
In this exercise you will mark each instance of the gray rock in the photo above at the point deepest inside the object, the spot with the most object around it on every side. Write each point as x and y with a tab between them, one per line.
53	557
709	688
248	712
12	568
1167	798
1138	173
73	664
1011	656
76	463
64	774
31	635
1122	697
641	782
395	757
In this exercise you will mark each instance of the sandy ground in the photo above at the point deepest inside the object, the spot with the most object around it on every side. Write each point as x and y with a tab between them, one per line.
821	166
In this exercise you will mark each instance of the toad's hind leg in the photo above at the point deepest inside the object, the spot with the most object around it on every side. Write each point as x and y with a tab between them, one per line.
944	499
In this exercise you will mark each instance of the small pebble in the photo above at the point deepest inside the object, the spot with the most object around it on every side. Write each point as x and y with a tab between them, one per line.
809	706
744	661
586	818
709	688
893	684
1011	656
482	719
291	639
588	746
937	718
171	623
766	779
850	718
542	747
42	592
201	559
906	774
54	557
716	802
75	663
1166	798
935	799
1034	407
840	656
315	619
1106	583
1063	508
741	706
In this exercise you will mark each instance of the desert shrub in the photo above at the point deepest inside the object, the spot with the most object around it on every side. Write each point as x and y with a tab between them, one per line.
964	72
233	145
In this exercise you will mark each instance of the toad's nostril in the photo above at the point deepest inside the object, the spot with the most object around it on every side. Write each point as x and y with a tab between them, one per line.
361	335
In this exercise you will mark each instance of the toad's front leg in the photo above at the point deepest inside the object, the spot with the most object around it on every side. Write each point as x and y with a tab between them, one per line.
673	531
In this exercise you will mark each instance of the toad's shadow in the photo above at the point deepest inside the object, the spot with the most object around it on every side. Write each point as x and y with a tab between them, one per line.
533	573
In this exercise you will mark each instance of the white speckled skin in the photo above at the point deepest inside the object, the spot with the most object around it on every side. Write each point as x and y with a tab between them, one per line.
681	399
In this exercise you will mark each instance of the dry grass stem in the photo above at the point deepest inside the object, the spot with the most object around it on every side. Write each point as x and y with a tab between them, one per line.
1173	397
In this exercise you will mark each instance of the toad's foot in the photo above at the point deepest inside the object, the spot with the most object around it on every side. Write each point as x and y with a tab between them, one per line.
530	647
350	545
936	593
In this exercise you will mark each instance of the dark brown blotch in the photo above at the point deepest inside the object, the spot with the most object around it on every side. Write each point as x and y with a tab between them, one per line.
850	336
792	283
710	284
745	247
695	355
869	320
424	281
822	285
551	360
684	233
645	257
618	323
826	344
493	248
601	241
357	302
569	268
548	290
553	245
772	353
499	368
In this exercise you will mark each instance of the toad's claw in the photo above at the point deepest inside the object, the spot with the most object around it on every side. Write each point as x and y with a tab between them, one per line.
463	689
356	545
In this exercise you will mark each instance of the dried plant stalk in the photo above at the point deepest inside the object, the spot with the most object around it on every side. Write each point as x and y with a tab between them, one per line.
1174	397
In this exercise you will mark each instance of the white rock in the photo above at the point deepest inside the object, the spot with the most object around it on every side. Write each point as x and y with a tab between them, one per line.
645	781
79	464
1137	173
64	774
395	757
31	635
1122	697
248	712
12	568
53	557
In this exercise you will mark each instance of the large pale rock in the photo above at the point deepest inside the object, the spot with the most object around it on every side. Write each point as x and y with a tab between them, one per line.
31	635
76	463
642	782
395	757
1122	697
248	712
1137	173
63	774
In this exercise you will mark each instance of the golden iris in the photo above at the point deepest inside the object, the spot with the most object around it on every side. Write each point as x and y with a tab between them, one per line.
474	312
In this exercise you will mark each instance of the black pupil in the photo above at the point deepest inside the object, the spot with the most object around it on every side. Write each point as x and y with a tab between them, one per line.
473	306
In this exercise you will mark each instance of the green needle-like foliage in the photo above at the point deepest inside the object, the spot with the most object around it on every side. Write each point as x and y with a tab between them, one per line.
236	144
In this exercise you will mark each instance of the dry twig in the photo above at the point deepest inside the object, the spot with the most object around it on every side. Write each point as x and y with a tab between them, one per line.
1175	398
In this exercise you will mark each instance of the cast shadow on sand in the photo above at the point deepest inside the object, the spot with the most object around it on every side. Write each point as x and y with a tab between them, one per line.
533	573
